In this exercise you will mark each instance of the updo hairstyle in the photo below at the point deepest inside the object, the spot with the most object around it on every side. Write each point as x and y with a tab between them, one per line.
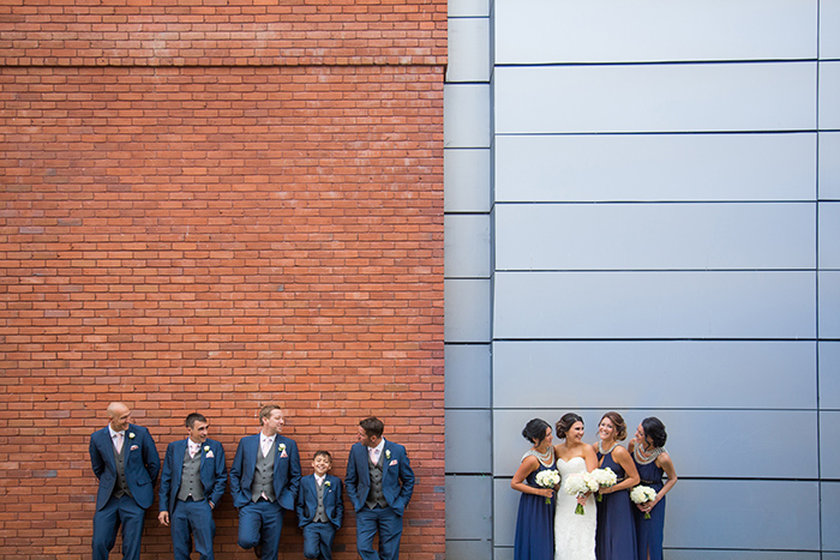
534	430
565	423
655	430
618	423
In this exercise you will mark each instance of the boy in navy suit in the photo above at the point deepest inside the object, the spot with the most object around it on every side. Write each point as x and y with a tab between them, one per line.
124	459
192	483
380	483
319	508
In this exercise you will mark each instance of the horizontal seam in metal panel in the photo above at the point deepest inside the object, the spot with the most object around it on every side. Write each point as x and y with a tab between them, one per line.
504	203
468	83
684	478
653	339
710	62
668	132
672	408
646	270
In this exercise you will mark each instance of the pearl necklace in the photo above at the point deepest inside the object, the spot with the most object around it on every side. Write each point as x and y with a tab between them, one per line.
646	458
546	458
610	450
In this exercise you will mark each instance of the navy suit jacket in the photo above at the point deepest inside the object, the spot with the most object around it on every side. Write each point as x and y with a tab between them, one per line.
286	471
397	476
140	460
212	472
307	502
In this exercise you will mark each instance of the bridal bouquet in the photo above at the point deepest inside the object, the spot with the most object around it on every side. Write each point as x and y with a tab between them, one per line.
578	485
605	478
548	479
643	494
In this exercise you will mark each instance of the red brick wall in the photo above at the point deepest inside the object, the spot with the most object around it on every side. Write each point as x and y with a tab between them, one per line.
209	206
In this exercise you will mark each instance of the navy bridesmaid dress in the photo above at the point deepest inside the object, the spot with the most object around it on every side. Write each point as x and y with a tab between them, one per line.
534	539
615	538
649	531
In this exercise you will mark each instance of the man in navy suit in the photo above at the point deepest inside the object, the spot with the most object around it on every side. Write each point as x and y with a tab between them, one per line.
125	461
264	480
379	482
191	485
319	508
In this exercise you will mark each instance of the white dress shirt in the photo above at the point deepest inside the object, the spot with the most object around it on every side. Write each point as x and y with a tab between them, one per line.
375	452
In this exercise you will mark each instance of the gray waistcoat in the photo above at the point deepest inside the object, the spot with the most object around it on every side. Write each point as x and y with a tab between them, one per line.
320	513
190	477
375	496
121	486
264	475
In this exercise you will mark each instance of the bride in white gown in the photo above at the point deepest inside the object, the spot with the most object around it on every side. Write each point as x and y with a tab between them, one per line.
574	534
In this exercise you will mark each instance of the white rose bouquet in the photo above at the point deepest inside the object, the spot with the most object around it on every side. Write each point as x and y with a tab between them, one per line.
579	484
547	479
605	478
641	495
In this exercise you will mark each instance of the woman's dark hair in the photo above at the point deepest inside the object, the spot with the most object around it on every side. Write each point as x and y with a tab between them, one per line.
565	423
618	423
655	430
534	430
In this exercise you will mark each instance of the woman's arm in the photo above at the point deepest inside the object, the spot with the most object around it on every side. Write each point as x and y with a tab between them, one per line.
664	463
526	467
623	458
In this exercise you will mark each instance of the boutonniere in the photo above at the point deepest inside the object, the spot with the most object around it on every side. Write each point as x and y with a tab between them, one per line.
207	453
130	435
206	448
327	483
281	447
387	453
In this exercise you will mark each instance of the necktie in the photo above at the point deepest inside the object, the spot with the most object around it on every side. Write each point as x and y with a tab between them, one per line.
118	442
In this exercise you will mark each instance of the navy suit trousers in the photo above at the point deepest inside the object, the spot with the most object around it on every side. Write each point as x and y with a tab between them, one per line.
318	540
260	524
389	525
196	518
106	522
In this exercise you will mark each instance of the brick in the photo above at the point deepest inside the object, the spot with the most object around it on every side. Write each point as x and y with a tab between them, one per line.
250	220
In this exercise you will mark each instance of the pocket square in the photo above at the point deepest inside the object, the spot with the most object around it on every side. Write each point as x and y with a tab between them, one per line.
392	463
133	447
284	455
209	455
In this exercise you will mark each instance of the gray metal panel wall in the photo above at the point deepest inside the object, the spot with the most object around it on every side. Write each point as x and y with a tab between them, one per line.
468	274
661	214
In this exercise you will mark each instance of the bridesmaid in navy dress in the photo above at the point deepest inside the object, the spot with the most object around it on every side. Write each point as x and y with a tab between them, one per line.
652	461
615	538
534	538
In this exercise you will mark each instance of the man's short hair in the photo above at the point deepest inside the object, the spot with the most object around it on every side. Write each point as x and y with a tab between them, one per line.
266	411
372	426
193	418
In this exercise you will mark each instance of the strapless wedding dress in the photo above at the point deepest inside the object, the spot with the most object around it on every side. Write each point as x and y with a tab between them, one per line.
574	535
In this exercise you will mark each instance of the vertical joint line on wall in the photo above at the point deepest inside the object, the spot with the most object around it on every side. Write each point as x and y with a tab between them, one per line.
491	187
817	291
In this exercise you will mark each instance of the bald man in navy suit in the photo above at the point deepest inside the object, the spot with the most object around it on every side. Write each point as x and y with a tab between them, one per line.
124	459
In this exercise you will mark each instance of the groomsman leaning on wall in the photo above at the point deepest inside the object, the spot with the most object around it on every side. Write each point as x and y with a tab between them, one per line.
191	484
124	459
379	482
264	480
